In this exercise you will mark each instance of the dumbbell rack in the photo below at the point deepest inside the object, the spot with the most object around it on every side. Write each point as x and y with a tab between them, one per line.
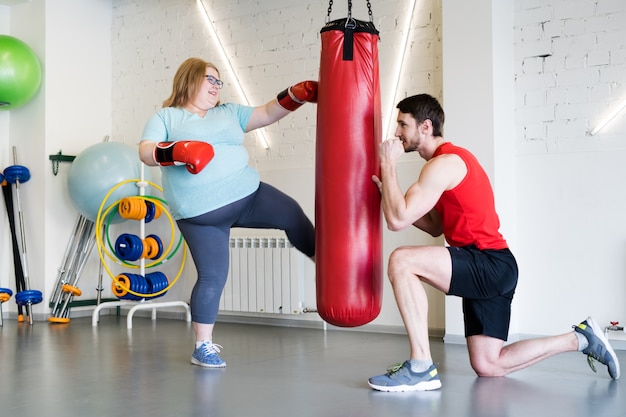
143	304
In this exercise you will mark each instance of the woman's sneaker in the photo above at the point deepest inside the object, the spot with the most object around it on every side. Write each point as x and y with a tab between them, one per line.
207	355
400	378
599	347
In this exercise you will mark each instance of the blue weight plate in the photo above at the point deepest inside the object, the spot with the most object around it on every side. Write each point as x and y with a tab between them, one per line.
28	297
16	173
150	211
128	247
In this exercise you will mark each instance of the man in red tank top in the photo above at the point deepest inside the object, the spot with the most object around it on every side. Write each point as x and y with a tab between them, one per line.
453	197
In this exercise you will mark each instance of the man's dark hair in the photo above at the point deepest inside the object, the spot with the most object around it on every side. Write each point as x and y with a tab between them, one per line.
422	107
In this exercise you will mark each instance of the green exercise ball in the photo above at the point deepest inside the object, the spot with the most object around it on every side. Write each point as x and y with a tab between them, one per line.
20	73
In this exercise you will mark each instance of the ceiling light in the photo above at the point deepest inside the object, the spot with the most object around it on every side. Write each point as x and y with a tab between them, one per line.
608	118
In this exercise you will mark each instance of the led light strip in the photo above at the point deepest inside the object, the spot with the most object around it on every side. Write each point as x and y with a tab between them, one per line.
608	118
399	65
224	56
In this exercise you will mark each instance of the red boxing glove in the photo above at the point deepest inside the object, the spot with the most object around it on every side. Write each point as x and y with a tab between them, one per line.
295	96
194	155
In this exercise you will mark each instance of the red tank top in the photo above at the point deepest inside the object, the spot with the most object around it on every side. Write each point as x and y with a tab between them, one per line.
467	211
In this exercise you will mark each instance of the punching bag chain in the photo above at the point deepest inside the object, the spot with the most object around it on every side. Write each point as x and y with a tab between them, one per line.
369	10
330	9
350	22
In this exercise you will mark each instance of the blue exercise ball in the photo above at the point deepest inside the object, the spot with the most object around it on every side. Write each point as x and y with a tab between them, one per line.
99	168
20	73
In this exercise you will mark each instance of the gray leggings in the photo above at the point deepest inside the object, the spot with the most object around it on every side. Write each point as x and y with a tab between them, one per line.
208	237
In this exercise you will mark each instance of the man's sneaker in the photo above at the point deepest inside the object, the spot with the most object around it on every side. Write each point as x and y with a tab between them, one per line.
599	347
400	378
207	355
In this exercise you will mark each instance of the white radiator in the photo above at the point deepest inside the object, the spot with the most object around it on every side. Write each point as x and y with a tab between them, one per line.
266	275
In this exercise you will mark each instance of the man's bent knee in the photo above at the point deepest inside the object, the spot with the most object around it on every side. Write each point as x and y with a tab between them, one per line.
485	368
401	259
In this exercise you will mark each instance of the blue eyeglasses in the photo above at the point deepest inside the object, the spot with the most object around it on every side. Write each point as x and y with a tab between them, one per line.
211	79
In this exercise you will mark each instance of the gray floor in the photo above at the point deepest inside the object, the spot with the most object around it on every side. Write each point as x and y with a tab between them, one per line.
79	370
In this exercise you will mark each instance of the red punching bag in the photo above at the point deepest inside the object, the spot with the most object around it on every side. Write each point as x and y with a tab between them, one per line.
347	203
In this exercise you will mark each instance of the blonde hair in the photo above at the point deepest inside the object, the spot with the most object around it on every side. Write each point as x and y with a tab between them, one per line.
187	81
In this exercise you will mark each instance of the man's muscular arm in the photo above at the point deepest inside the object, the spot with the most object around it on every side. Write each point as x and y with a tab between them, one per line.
430	223
416	207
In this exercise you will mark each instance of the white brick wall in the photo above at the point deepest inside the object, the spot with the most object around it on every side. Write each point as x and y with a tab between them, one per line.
570	71
271	44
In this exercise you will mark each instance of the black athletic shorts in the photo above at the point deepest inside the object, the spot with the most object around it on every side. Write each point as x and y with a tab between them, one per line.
486	280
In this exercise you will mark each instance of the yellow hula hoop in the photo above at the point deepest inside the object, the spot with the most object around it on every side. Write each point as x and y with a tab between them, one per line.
100	239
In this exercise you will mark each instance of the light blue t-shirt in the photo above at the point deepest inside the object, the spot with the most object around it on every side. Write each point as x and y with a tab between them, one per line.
226	179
